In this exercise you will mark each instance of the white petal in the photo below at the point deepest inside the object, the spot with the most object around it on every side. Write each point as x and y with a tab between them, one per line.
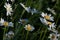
10	24
2	20
50	15
48	9
7	0
52	18
53	25
42	14
44	21
22	5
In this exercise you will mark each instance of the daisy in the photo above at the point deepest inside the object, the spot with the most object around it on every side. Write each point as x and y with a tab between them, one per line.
8	8
53	37
10	34
3	23
50	24
48	17
28	9
29	27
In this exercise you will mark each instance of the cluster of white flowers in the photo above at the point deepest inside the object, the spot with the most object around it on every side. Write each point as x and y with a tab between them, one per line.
47	19
44	19
27	27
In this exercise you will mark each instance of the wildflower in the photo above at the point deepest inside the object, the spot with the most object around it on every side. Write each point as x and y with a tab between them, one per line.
10	34
51	10
8	8
28	9
29	27
48	17
50	24
23	21
10	24
54	36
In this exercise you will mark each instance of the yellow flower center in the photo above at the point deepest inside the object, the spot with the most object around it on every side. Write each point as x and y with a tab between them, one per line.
49	23
47	17
8	8
5	23
53	36
29	27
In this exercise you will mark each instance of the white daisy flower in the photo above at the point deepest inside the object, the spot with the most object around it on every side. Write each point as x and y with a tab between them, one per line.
50	24
10	34
8	8
26	8
53	37
29	27
52	11
48	17
3	23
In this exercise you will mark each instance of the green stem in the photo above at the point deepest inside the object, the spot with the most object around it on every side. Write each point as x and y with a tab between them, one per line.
44	34
27	35
40	35
4	33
